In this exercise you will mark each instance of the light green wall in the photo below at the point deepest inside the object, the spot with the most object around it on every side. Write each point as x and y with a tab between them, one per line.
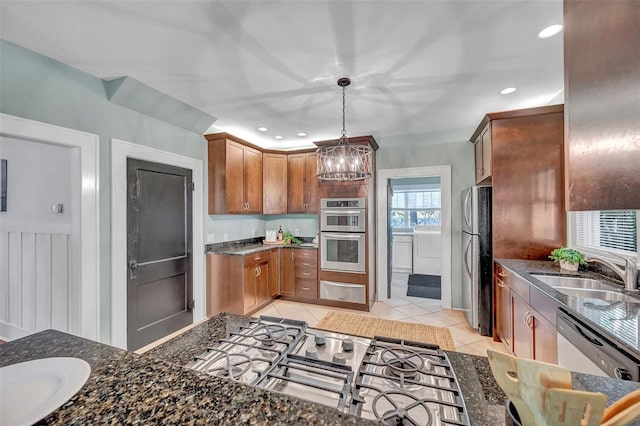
437	149
38	88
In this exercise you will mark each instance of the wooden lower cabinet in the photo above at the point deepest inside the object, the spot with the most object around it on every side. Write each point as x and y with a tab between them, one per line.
522	330
520	323
287	278
503	312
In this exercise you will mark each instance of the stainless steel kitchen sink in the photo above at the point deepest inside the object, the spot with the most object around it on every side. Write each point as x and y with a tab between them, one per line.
585	288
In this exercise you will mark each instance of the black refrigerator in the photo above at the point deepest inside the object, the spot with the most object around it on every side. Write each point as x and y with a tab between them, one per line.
477	259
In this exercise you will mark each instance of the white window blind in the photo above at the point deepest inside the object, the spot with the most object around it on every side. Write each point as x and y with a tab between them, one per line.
612	231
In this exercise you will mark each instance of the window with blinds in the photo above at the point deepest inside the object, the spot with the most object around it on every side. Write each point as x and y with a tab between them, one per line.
612	231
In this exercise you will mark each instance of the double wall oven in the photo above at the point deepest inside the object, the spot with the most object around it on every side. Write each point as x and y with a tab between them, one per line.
343	246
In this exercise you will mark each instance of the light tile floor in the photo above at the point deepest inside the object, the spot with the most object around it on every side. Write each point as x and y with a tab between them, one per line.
400	308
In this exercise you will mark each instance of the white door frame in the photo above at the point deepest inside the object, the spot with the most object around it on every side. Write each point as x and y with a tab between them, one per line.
120	151
85	239
383	175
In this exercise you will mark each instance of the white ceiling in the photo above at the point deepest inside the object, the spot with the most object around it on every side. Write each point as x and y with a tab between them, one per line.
416	66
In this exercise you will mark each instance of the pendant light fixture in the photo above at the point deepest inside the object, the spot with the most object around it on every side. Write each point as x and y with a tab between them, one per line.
344	161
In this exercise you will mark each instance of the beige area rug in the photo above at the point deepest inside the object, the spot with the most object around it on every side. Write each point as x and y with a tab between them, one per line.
360	325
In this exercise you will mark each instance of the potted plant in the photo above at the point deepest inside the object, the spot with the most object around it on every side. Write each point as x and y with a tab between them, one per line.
289	239
569	258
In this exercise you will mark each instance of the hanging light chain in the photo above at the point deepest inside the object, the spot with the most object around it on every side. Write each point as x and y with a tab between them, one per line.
344	127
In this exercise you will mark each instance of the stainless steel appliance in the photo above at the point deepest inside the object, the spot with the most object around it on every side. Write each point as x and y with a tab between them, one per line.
345	292
342	235
343	252
393	381
477	259
582	349
342	214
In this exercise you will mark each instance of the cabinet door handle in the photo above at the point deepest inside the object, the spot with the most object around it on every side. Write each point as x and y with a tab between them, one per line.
502	275
257	272
306	288
256	258
499	283
292	255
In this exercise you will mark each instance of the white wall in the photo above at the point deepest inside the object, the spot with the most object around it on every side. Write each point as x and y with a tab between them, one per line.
435	149
39	175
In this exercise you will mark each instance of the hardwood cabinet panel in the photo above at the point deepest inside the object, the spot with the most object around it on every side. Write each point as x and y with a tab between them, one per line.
545	340
302	182
295	179
519	287
527	178
253	180
250	288
287	279
311	182
274	183
482	148
235	178
504	316
262	283
307	288
601	75
224	285
274	273
522	328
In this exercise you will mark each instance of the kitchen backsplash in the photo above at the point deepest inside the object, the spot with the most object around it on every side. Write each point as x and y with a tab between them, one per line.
220	228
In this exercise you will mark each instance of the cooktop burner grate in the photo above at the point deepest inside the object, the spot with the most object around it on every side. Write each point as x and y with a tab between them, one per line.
405	382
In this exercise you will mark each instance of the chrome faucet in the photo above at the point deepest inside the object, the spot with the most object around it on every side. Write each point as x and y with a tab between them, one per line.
629	275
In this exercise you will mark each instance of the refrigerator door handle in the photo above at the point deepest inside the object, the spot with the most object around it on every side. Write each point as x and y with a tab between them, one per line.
466	256
467	210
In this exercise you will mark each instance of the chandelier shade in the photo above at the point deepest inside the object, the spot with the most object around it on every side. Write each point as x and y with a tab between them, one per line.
344	161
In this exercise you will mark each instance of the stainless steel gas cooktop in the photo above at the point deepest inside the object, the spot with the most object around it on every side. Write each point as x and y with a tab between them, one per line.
393	381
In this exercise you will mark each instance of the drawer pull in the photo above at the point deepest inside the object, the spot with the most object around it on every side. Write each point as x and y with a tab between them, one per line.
499	283
503	275
257	258
306	288
305	273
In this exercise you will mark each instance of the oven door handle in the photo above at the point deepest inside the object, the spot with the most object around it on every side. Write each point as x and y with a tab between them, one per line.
345	236
342	212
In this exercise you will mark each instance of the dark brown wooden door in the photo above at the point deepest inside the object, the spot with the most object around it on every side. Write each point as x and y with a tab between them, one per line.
287	271
262	285
159	251
295	183
234	182
274	183
253	180
274	273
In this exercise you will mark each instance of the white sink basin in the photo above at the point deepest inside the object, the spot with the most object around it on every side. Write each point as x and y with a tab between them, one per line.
31	390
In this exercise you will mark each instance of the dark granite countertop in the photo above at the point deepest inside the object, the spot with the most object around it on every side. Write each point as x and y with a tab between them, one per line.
155	387
619	321
126	388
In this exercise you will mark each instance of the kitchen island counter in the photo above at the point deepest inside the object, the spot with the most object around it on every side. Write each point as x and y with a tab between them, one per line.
126	388
156	387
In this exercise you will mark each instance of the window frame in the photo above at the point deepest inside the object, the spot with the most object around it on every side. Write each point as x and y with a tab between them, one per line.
407	210
588	251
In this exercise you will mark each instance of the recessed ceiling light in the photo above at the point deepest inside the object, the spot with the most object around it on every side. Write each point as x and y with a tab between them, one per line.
507	90
550	31
262	129
279	137
301	134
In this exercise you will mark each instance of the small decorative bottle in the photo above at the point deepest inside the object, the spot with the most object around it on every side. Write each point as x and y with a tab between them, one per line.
280	234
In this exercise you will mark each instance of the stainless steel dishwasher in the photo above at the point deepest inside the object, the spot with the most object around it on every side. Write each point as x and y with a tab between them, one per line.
584	350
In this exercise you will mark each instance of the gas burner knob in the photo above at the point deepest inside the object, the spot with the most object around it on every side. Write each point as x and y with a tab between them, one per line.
347	345
311	353
339	358
622	373
320	339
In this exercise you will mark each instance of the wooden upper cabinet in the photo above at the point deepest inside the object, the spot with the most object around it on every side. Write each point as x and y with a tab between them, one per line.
482	148
235	175
302	183
527	178
602	117
274	183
